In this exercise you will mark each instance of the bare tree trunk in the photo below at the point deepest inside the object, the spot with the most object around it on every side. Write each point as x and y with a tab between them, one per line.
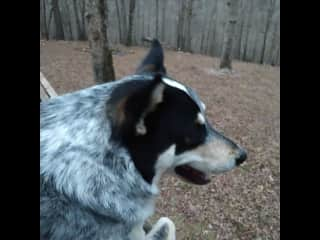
44	27
119	21
180	26
189	20
240	31
132	6
69	20
249	24
278	56
142	25
269	18
204	31
50	18
226	57
83	22
164	4
213	20
75	9
97	15
45	33
57	20
275	43
124	21
157	19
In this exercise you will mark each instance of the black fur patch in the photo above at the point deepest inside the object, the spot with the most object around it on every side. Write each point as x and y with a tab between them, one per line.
172	122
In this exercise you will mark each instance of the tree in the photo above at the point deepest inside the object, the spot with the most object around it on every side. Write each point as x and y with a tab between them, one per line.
188	25
96	15
164	4
249	18
268	22
57	20
83	22
157	19
124	21
75	9
119	21
226	57
44	29
180	25
132	6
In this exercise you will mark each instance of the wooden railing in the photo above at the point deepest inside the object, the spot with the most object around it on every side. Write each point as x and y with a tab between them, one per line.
46	90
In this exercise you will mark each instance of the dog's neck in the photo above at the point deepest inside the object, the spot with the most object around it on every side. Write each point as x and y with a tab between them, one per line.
92	174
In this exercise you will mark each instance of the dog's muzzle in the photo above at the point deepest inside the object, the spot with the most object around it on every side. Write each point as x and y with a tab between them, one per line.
218	155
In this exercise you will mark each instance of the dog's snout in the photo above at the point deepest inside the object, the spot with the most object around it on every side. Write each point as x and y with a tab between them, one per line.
241	157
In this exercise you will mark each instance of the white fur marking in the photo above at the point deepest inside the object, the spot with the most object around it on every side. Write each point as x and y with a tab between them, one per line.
200	119
175	84
161	222
141	128
203	106
164	162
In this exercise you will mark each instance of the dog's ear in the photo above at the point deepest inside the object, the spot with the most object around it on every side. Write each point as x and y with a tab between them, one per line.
132	101
153	61
155	97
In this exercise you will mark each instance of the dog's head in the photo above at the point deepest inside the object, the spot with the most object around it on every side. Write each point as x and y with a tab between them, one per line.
163	125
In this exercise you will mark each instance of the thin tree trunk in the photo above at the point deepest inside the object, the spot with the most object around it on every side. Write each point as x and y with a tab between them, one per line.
274	45
119	21
157	19
204	32
269	17
41	21
180	26
249	23
124	21
75	9
57	20
69	20
278	56
143	33
213	20
50	19
189	20
164	4
83	22
239	42
44	20
132	5
226	57
97	15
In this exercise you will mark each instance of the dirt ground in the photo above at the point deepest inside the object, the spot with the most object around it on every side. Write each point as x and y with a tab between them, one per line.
245	105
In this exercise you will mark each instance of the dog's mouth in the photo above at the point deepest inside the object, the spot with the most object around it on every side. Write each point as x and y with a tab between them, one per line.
192	175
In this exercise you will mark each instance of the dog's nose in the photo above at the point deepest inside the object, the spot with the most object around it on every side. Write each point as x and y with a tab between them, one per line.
241	158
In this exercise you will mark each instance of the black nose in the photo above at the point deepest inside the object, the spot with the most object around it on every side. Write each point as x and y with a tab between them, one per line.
241	158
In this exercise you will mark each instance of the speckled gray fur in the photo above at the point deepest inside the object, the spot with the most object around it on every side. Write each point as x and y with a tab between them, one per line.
86	190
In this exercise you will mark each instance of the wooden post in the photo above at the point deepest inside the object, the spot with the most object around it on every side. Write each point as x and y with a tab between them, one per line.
46	90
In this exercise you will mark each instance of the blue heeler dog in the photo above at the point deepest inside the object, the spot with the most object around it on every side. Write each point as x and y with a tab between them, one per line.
103	150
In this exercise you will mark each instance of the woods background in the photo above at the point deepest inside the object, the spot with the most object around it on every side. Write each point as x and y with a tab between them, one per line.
188	25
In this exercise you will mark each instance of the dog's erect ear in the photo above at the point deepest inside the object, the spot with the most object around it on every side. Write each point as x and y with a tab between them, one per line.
153	61
131	102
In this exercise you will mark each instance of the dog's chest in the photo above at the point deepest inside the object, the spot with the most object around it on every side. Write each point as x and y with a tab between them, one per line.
137	231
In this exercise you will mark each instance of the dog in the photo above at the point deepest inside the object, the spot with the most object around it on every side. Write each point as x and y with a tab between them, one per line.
103	151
